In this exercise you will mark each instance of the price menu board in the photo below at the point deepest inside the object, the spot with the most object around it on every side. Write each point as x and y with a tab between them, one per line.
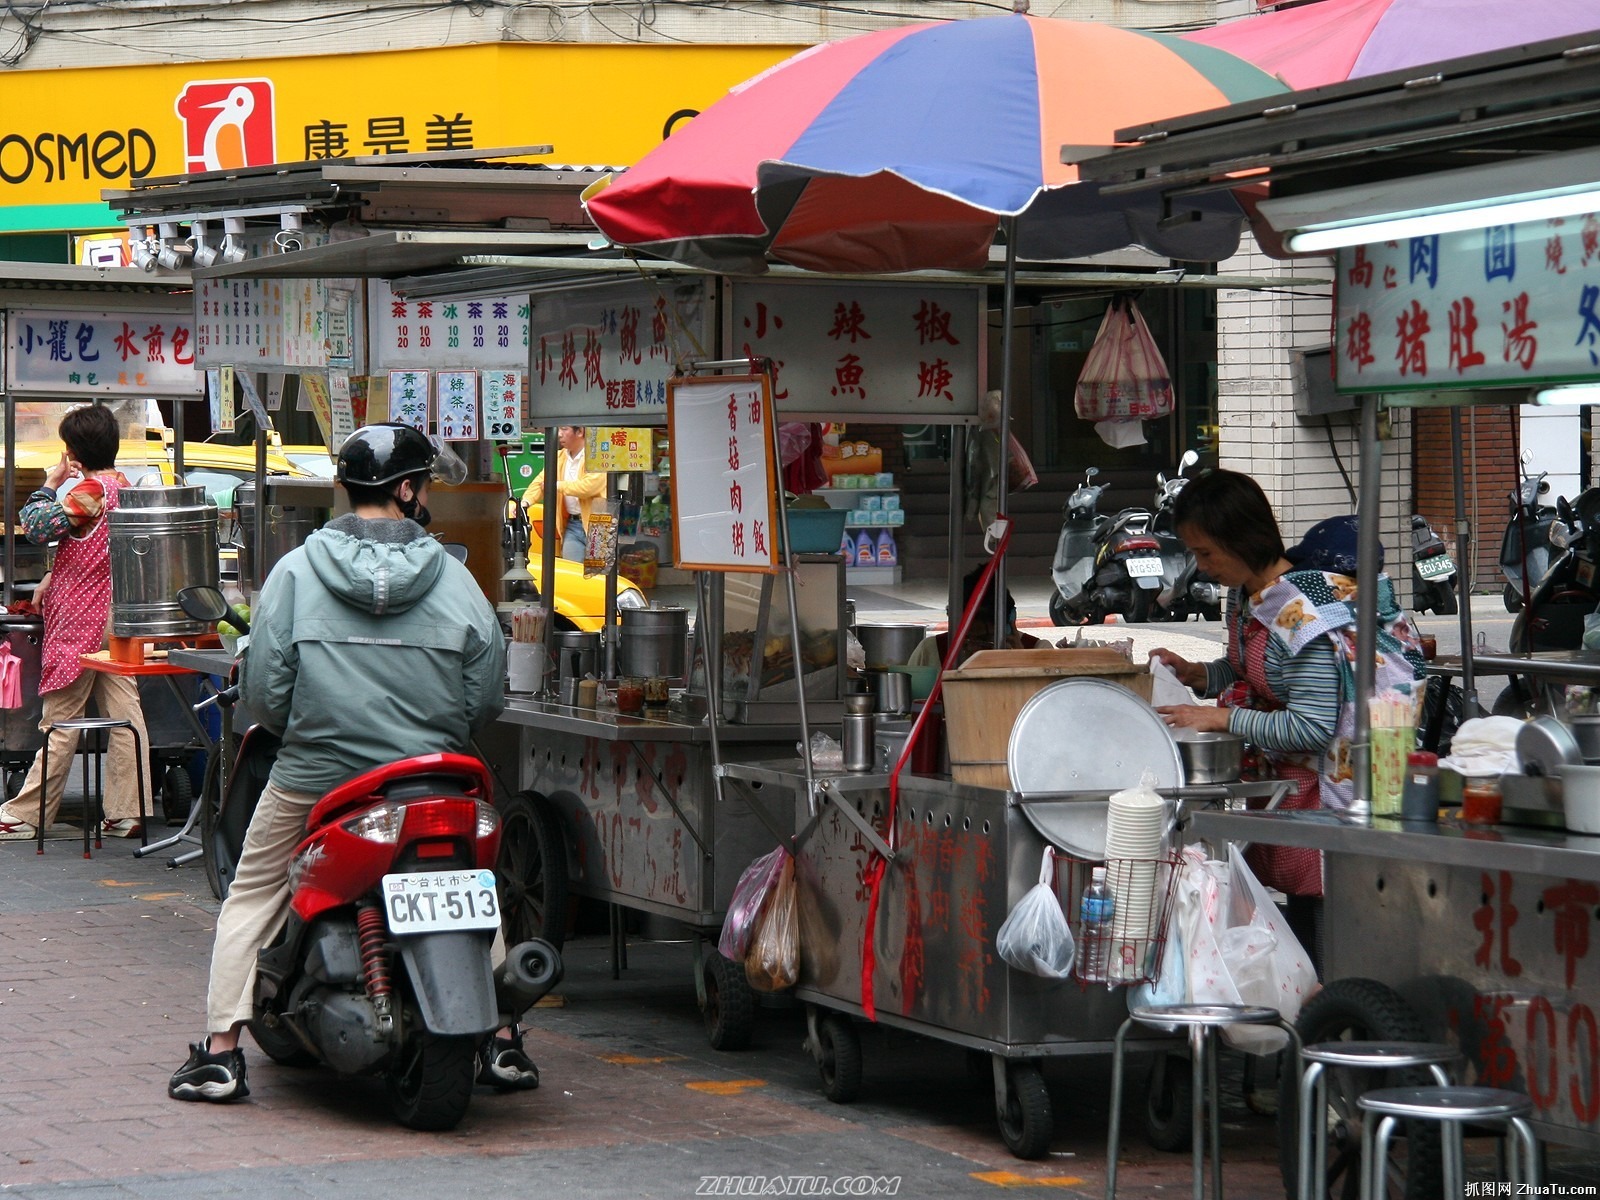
724	478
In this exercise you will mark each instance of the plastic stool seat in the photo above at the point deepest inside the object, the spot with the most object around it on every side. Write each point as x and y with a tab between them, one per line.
1205	1014
1380	1055
1448	1103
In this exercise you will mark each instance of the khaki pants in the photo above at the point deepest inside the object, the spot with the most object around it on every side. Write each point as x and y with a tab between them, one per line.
258	904
117	696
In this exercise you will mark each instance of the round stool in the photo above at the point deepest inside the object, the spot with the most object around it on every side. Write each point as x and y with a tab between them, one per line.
1366	1056
1453	1107
1203	1021
93	800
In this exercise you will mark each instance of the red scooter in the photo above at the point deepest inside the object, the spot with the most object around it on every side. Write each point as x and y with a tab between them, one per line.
383	967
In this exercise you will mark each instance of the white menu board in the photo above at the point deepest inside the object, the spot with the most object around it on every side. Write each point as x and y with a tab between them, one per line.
458	406
484	332
260	323
408	398
724	481
98	353
502	405
884	351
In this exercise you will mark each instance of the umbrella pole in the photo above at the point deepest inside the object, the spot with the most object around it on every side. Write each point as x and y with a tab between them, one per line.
1469	689
1366	604
1008	304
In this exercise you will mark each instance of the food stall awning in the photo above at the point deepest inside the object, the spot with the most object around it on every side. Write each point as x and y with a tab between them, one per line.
22	282
391	252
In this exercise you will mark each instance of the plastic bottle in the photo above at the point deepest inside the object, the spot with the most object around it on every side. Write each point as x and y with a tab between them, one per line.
1094	946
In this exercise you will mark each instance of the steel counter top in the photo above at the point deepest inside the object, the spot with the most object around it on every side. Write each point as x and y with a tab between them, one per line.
203	662
1449	843
611	726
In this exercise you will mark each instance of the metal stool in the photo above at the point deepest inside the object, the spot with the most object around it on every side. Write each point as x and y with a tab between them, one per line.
93	800
1370	1056
1203	1021
1454	1107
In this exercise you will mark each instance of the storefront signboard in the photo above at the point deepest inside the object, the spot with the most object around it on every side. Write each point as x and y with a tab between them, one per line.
615	448
606	354
481	333
724	480
1507	305
885	351
60	352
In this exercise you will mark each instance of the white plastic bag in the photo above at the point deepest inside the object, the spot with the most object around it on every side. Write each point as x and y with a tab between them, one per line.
1035	937
826	754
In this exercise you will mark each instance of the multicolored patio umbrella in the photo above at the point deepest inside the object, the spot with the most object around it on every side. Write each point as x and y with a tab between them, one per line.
1335	40
907	148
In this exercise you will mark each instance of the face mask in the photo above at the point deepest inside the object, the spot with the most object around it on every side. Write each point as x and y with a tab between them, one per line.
414	511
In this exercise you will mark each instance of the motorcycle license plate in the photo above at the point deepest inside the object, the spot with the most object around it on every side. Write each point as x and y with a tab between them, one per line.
435	901
1139	568
1438	567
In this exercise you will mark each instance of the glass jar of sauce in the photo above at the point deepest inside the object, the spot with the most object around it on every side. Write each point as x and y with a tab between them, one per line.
1480	800
630	695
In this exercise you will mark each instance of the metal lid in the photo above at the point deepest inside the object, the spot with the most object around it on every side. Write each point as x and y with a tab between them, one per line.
178	496
577	639
1544	744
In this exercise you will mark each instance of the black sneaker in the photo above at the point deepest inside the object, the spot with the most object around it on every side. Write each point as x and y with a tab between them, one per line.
217	1078
504	1065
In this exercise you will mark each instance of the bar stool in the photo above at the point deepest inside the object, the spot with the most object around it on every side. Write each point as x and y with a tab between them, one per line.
93	800
1367	1056
1203	1021
1453	1107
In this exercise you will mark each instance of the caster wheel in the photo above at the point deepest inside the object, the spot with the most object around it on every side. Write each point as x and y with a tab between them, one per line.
1027	1123
839	1058
729	1008
177	795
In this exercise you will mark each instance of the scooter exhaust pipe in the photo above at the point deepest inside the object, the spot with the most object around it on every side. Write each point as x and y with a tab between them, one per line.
531	969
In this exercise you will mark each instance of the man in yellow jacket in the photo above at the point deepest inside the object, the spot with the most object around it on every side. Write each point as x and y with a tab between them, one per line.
576	492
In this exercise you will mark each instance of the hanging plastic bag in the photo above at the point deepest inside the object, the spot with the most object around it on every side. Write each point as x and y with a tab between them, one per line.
1034	936
773	960
749	894
10	678
1020	474
1124	377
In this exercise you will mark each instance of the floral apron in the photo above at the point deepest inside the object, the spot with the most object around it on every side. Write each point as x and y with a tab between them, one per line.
77	604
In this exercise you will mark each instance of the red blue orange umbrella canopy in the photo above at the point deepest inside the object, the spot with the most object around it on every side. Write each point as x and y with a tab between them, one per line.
1335	40
906	148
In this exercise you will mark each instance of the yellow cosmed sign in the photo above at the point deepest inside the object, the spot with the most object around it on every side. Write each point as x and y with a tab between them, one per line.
67	134
614	449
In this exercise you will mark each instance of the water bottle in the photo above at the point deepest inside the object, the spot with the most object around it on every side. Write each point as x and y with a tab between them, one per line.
1094	946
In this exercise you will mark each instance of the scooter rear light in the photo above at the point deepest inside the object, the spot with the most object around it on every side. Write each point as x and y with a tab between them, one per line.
488	820
381	824
1139	543
435	849
441	818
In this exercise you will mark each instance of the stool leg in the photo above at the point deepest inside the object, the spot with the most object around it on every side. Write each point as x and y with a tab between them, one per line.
101	742
1197	1116
1313	1132
138	758
1368	1120
1375	1160
1454	1157
1533	1176
1214	1110
1114	1139
44	782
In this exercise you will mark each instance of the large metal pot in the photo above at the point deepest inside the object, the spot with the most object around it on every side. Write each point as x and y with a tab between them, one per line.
889	645
654	641
1209	757
295	509
162	539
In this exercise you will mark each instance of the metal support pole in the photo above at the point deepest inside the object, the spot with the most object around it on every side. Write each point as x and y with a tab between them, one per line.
11	501
1008	307
794	619
1367	508
609	650
1464	571
258	522
178	411
547	552
958	514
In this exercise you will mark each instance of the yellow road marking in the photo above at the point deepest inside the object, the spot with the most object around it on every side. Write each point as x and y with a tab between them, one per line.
160	896
119	883
633	1060
1010	1179
725	1087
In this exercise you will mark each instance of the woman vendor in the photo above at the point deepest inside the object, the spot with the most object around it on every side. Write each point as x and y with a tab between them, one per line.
1287	682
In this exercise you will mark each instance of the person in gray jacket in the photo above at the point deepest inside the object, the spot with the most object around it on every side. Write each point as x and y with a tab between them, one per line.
369	644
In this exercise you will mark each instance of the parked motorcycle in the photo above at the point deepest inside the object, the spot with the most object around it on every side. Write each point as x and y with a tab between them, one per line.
1075	551
1527	514
1433	568
1185	588
383	966
1127	568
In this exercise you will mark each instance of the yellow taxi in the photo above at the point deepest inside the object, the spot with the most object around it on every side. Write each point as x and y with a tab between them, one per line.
580	602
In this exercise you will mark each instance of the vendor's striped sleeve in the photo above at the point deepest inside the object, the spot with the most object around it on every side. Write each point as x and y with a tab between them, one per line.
1309	684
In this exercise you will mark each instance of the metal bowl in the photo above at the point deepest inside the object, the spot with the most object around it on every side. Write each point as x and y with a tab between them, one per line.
1209	757
889	645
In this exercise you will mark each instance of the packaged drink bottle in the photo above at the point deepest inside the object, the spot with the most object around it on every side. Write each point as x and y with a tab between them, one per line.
1094	944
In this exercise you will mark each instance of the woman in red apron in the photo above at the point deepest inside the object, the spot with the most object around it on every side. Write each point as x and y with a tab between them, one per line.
76	606
1286	684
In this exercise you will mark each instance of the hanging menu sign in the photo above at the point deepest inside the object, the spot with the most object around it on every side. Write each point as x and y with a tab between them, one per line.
889	351
484	332
100	353
1511	304
260	323
408	398
458	405
615	449
724	480
502	405
606	354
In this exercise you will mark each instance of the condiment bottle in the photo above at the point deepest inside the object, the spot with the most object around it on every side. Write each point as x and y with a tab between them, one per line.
1419	801
1480	800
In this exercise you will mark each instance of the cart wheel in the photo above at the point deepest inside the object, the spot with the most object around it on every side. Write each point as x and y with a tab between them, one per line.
1359	1010
177	794
1027	1123
839	1058
532	870
729	1008
1168	1096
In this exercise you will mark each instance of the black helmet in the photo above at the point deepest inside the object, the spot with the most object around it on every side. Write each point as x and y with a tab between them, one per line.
377	454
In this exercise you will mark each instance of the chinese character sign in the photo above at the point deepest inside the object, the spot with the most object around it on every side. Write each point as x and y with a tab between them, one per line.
261	323
458	405
488	331
606	355
341	412
613	448
723	479
502	405
891	351
78	353
1511	304
408	398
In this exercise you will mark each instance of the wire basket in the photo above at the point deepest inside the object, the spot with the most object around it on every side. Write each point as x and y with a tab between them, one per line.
1144	890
